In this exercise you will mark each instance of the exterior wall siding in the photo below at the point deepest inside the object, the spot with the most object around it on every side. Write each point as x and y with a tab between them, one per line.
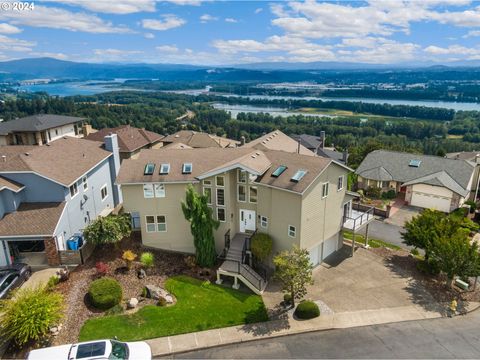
38	188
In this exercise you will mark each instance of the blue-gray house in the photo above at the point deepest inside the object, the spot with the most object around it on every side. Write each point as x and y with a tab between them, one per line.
49	193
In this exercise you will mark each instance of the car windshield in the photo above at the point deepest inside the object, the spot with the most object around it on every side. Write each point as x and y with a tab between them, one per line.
119	351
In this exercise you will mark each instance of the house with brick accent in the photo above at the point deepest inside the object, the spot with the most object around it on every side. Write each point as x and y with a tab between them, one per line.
49	193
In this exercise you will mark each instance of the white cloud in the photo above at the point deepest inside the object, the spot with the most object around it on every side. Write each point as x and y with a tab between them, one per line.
258	10
15	45
102	55
471	33
464	52
231	20
60	56
207	18
56	18
115	52
168	22
112	7
149	36
9	29
171	49
185	2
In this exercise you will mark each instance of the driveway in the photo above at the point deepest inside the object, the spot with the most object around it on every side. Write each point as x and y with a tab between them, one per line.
402	215
361	282
40	277
379	229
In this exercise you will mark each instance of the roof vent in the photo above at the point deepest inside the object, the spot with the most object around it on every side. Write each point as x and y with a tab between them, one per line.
257	153
177	136
414	163
27	154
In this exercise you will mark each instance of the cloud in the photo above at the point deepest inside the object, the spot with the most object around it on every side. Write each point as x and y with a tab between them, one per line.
231	20
15	45
102	55
168	22
149	36
471	33
185	2
9	29
171	49
207	18
55	18
465	52
112	7
258	10
60	56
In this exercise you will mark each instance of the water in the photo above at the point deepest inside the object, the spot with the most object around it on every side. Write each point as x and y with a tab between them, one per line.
274	111
76	88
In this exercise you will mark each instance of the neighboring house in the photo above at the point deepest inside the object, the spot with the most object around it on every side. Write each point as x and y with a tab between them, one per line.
425	181
39	129
130	139
297	199
316	144
48	194
197	139
277	140
465	155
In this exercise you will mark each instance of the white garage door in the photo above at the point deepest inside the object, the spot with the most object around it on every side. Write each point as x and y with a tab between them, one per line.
315	255
329	247
429	201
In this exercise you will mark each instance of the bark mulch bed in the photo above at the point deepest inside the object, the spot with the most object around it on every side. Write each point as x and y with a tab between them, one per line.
402	262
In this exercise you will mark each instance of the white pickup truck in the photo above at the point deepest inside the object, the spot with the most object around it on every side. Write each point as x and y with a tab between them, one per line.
95	350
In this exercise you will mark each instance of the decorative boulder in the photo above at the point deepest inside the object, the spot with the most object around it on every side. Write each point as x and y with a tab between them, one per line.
132	303
141	274
153	292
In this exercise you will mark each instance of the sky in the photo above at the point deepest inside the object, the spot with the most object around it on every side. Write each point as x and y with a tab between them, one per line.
235	32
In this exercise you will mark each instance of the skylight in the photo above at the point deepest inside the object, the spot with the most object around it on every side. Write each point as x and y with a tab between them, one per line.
298	175
187	168
164	169
279	171
149	169
415	163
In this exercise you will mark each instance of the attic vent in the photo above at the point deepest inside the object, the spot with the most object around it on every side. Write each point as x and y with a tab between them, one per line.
415	163
298	175
149	169
279	171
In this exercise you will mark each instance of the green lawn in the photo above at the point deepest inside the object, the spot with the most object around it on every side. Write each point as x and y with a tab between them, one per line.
200	306
374	243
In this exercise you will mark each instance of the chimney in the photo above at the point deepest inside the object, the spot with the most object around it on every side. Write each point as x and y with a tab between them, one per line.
322	139
111	144
87	129
345	156
242	140
298	146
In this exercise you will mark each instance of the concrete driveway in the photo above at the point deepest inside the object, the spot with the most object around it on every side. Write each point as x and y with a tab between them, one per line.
402	215
361	282
379	229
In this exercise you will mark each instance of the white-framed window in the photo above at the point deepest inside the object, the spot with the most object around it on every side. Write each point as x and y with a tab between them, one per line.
220	180
340	183
104	192
85	183
324	190
73	190
221	214
207	182
221	197
242	176
159	190
385	184
148	191
292	231
187	168
164	169
242	193
207	191
156	223
263	222
253	193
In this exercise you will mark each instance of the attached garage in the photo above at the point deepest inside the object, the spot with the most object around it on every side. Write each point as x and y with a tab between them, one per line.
329	247
431	197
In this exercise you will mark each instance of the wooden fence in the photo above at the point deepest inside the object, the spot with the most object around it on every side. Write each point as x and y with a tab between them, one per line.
376	211
76	257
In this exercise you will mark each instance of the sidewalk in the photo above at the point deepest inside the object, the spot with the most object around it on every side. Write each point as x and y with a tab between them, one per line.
288	326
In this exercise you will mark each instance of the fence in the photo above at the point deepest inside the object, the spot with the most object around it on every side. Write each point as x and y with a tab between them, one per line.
376	211
76	257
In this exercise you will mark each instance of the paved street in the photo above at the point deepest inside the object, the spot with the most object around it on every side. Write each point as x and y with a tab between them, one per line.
438	338
386	232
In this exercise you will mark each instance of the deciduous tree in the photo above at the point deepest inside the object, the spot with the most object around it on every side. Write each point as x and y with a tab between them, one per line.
110	229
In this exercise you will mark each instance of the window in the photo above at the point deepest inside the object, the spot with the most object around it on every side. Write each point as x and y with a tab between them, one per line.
207	182
324	190
242	193
187	168
292	231
85	183
104	192
221	197
208	193
149	169
159	190
164	169
242	176
220	181
263	222
253	194
385	184
148	191
279	171
340	183
298	175
156	223
73	190
221	214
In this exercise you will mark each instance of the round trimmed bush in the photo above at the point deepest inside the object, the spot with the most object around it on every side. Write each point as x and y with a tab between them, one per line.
105	293
307	310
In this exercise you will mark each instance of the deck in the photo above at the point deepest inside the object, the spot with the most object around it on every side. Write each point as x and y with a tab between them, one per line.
358	219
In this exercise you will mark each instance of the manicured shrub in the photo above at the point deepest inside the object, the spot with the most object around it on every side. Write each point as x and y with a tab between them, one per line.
102	268
389	195
307	310
52	282
30	314
105	293
147	259
287	298
261	246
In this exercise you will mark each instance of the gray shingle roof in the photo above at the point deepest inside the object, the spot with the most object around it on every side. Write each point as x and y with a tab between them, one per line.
383	165
37	123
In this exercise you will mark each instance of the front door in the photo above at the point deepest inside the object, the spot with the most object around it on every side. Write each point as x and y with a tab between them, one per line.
347	209
247	220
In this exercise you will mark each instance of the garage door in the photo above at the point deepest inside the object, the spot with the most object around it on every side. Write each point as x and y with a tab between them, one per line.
329	247
315	255
429	201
